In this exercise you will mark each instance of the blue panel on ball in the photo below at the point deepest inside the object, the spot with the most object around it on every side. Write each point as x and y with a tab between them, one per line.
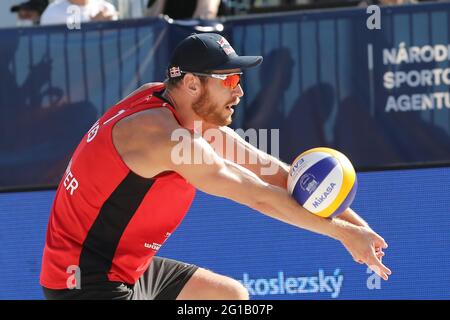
312	178
348	200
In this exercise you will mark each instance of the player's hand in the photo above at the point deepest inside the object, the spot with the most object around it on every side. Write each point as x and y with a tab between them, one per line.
103	15
366	246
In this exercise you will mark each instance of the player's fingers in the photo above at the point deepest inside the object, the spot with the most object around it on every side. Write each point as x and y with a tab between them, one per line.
380	242
378	267
377	270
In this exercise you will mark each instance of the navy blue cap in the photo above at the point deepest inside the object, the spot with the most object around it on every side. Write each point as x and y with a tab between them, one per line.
32	5
205	52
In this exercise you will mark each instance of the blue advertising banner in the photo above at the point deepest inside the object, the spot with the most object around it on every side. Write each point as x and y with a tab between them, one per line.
272	259
56	82
378	95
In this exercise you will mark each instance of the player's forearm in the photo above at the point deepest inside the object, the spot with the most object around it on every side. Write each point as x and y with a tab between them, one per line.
275	202
352	217
277	170
280	205
270	170
267	167
225	178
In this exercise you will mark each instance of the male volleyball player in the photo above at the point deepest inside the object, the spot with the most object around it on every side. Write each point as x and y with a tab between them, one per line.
124	193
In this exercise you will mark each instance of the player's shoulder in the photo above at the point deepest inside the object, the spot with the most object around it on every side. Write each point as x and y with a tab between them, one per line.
155	122
146	134
157	119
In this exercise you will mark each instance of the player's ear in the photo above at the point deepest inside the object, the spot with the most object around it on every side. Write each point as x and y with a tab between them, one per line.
192	84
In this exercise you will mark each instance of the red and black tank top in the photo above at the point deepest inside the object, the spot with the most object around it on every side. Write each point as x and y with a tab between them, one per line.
107	222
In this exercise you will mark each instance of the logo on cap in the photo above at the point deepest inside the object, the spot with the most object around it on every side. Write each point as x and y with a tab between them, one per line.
225	45
174	72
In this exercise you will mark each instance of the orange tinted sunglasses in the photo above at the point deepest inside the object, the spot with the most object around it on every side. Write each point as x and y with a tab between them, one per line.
229	80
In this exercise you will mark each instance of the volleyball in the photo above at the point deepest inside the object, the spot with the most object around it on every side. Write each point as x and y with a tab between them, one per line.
323	181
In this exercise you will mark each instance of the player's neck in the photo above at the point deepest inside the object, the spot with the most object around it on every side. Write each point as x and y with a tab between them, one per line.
182	106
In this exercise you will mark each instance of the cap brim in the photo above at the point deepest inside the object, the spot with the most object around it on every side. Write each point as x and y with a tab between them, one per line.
26	6
15	8
241	62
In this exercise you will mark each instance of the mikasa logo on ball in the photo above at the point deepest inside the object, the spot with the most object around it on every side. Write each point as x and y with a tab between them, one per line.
328	191
308	183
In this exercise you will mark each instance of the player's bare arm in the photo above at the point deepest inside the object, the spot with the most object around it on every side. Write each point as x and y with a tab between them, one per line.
221	177
255	160
265	160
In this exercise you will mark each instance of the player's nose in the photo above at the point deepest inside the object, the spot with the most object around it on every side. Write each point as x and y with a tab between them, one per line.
238	92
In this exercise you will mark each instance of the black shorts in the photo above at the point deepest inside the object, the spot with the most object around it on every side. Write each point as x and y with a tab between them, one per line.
163	280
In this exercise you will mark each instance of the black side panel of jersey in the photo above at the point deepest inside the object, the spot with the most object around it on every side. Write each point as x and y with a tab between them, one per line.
103	237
